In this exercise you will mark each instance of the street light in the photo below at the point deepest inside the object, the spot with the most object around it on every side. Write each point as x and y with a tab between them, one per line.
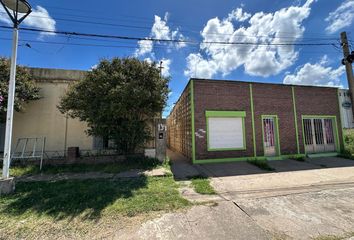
17	10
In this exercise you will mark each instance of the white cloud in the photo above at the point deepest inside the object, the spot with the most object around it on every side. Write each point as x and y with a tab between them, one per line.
160	30
342	17
318	74
39	18
257	60
93	67
145	46
239	15
166	67
199	67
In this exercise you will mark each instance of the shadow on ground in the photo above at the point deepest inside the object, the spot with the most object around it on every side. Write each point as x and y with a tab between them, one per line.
68	199
182	168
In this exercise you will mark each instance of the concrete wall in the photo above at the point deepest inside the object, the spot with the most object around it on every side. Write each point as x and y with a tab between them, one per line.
41	118
346	110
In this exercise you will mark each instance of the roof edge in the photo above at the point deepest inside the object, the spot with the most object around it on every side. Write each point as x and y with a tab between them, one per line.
277	84
52	74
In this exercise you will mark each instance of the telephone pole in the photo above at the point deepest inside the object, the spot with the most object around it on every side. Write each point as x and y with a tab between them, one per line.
161	67
348	66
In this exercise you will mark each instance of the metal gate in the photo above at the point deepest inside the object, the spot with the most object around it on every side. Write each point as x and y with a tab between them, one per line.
270	136
319	135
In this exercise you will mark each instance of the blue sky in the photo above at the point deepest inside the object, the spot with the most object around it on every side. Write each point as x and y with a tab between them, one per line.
258	21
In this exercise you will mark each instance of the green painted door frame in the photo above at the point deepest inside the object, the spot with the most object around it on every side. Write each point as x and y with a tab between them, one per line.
335	129
277	142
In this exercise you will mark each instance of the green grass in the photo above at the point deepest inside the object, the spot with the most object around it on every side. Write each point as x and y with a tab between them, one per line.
262	164
202	185
333	237
348	144
299	159
130	163
38	204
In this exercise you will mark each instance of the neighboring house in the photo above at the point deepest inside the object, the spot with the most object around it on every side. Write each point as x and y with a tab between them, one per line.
346	108
41	118
223	121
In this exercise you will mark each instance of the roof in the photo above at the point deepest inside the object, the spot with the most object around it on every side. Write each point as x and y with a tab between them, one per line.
277	84
50	74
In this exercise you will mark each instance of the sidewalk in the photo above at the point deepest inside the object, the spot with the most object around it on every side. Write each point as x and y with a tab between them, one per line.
159	172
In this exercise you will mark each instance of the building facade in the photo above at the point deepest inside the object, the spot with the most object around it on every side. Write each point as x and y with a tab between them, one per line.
42	119
346	108
223	121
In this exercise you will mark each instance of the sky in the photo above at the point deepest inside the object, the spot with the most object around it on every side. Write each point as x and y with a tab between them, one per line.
291	42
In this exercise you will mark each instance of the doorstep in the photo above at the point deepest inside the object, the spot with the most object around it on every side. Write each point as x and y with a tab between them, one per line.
319	155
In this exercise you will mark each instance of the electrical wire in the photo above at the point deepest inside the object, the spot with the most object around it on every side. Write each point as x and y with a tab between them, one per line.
180	41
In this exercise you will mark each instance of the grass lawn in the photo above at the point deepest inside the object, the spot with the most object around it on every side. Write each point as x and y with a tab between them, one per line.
133	163
348	143
333	237
54	207
202	185
262	164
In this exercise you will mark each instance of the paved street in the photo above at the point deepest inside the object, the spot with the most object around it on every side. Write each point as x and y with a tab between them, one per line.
300	200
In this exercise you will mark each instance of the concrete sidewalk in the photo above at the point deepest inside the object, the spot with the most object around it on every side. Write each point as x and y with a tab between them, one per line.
305	203
299	200
223	221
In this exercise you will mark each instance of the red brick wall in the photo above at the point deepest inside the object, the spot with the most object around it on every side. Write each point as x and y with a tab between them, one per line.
179	129
269	99
221	96
317	101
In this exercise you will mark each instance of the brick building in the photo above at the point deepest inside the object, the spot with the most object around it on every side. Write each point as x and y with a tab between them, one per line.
223	121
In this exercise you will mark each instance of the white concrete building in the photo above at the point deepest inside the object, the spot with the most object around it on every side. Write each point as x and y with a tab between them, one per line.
346	108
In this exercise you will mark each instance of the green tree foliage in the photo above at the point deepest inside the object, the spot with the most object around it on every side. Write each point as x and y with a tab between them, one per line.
117	99
26	89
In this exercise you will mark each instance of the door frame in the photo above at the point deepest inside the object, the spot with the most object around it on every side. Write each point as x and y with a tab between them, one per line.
335	129
277	144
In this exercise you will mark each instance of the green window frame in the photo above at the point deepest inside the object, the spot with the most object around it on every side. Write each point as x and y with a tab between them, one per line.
226	114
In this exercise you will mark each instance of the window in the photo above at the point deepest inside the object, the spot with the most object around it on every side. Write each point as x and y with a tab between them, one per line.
226	130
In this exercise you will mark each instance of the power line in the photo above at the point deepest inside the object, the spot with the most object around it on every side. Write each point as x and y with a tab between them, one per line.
182	31
145	19
180	41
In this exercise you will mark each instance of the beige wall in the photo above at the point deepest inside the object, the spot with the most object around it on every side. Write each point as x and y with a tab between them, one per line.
41	118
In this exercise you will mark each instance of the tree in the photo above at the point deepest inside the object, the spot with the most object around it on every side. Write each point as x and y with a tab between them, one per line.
117	99
26	89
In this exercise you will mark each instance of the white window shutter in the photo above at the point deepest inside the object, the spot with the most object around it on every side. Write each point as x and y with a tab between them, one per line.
225	133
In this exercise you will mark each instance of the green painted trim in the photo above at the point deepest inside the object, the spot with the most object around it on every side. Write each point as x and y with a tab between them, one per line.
341	121
220	114
303	133
318	155
193	122
225	114
278	152
336	136
253	124
240	159
295	121
318	116
224	160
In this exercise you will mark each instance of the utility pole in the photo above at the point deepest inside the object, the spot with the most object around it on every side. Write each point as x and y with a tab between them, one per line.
17	10
161	67
348	66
